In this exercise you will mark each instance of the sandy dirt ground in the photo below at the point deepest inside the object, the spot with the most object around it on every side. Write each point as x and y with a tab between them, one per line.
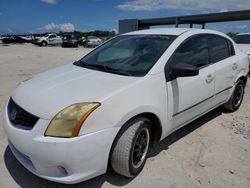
213	151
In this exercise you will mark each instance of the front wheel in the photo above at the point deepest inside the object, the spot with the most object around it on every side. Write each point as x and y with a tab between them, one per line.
236	99
44	43
131	148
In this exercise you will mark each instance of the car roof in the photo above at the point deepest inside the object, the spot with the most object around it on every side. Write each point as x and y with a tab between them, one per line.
170	31
160	31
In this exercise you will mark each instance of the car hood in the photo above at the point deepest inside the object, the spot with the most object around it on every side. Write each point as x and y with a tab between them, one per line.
244	48
47	93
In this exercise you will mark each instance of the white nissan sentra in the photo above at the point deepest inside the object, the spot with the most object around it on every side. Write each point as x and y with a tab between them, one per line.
68	124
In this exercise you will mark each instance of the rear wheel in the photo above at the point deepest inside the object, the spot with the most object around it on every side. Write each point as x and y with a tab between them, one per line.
236	99
131	148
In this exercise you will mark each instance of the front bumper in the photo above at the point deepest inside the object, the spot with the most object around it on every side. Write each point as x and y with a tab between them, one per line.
64	160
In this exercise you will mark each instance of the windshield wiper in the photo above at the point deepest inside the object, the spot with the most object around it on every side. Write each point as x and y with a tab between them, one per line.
104	68
116	71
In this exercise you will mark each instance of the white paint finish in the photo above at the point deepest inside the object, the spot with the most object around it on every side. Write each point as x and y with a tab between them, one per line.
67	85
51	41
244	48
83	157
185	92
122	98
226	74
161	31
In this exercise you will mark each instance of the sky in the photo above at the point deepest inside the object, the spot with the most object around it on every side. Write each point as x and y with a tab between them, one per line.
37	16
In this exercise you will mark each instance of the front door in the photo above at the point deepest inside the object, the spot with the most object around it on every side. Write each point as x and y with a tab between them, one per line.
190	97
52	39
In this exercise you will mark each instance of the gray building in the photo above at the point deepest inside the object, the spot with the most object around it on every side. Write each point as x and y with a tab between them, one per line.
201	19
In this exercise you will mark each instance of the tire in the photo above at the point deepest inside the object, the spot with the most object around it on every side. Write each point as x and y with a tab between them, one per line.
43	43
130	149
236	99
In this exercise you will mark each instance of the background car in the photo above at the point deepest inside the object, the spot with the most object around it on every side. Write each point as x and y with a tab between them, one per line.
13	39
49	39
83	41
243	42
71	41
93	41
28	38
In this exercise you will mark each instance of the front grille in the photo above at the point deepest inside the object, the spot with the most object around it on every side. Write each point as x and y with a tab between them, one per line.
19	117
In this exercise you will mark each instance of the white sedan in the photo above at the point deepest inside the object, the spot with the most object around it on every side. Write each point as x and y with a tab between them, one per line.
67	124
243	42
93	41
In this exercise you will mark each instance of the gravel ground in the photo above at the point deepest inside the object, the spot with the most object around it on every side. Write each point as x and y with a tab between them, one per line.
213	151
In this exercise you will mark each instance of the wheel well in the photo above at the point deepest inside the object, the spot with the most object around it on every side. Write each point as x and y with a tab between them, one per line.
156	124
156	129
244	78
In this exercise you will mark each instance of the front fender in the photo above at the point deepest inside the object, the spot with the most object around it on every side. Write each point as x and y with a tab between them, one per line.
137	111
145	96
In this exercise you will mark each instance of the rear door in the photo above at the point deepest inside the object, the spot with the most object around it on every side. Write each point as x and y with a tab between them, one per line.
190	97
223	57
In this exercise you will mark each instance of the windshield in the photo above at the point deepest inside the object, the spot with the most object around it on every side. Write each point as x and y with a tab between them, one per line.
242	39
131	55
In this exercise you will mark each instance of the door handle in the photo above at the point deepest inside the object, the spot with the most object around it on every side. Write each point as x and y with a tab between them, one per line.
235	66
209	78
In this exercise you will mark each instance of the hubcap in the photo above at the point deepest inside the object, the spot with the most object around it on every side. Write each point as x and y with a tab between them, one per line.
140	148
238	95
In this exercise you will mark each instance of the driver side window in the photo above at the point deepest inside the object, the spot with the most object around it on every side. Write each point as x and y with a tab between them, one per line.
193	51
52	36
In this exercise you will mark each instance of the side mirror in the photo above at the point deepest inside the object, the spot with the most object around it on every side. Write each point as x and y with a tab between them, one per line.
184	70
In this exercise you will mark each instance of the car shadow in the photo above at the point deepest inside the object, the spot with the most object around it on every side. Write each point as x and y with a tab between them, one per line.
24	178
182	132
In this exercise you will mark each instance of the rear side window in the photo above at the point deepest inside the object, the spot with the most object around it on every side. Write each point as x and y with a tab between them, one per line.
193	51
219	48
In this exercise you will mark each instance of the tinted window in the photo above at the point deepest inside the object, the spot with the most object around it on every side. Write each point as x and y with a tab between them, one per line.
52	36
194	51
242	39
70	37
219	48
128	54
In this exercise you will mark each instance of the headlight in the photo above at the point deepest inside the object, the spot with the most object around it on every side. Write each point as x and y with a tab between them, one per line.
67	123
